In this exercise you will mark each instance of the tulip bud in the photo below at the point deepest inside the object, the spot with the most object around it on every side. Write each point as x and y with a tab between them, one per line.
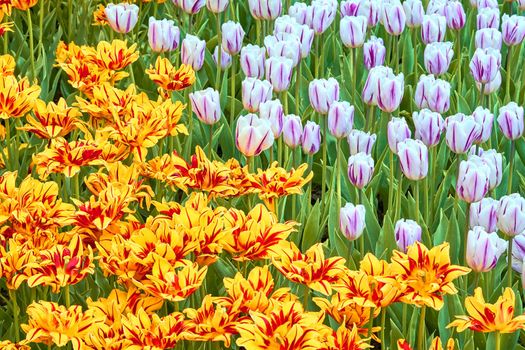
413	158
485	119
217	6
353	31
340	119
518	253
374	52
321	16
397	131
483	249
232	36
484	214
429	126
488	38
455	15
299	11
284	45
272	111
192	51
360	169
252	61
414	12
485	65
493	161
511	215
349	8
473	181
122	18
279	72
255	91
284	24
206	104
438	56
513	29
361	142
510	121
371	9
253	135
461	132
393	17
491	86
433	28
390	92
322	93
488	18
163	35
191	6
306	38
265	9
311	138
406	232
436	7
352	221
226	58
292	130
481	4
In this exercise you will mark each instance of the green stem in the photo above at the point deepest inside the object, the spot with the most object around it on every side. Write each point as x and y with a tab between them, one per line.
507	82
425	200
404	318
414	45
383	319
31	44
219	54
351	64
338	173
398	193
509	266
317	56
41	22
77	185
421	329
69	18
511	166
391	182
210	146
371	322
68	296
323	175
298	79
232	93
284	100
16	312
458	37
498	341
258	32
416	195
467	228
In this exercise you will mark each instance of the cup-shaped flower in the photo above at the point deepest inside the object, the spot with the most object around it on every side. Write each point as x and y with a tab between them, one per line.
461	132
428	126
306	38
163	35
353	31
254	92
340	119
352	220
371	9
485	65
360	169
397	131
513	29
511	215
272	110
320	16
206	104
265	9
192	52
484	213
292	130
232	37
300	12
494	163
473	181
217	6
322	93
433	28
437	57
311	138
279	72
390	91
413	158
122	18
436	7
349	7
510	120
190	6
489	38
252	61
414	12
455	14
253	135
481	4
485	119
226	58
393	17
406	233
487	18
284	45
360	141
374	52
483	249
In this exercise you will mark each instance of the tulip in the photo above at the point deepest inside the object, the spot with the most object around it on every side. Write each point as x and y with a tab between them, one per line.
481	4
321	16
510	121
226	58
292	130
217	6
122	18
414	12
265	9
374	52
438	56
436	7
361	142
284	24
485	119
272	111
511	215
491	86
191	6
284	45
279	72
352	220
484	214
455	15
322	93
518	253
390	92
488	18
306	38
494	163
232	36
397	131
485	64
406	232
163	35
429	126
349	8
513	29
393	17
253	135
483	249
311	138
340	119
255	91
300	12
252	61
473	181
192	51
360	169
413	158
461	132
206	104
433	94
488	38
433	28
353	31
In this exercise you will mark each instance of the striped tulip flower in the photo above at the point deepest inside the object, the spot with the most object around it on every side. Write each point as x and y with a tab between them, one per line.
483	249
122	18
484	214
292	130
163	35
461	132
360	169
352	221
253	135
511	215
413	158
473	181
406	232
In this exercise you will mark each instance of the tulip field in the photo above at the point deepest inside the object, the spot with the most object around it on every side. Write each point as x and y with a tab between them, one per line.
262	174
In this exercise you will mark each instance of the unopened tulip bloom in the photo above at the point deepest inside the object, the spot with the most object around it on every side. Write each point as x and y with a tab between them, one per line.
349	7
163	35
322	93
491	86
433	94
265	9
414	12
272	111
311	138
485	64
485	119
353	31
511	215
306	38
438	56
279	72
489	38
253	135
352	221
232	37
226	58
473	181
429	126
513	29
206	104
292	130
494	163
455	15
518	253
284	45
284	24
360	141
413	158
191	6
406	233
393	17
340	119
487	18
192	51
484	214
122	18
299	11
390	91
483	249
461	132
436	7
255	91
433	28
371	9
217	6
321	16
374	52
481	4
397	131
252	61
360	169
510	120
